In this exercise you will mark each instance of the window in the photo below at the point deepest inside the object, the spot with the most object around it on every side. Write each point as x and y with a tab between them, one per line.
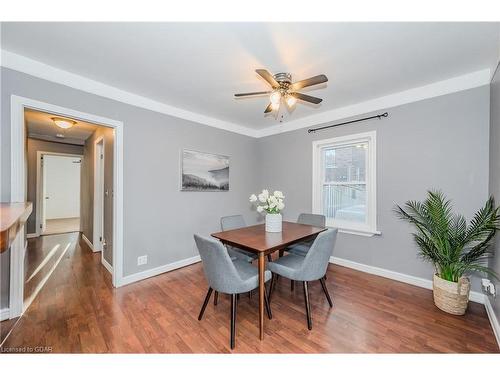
344	182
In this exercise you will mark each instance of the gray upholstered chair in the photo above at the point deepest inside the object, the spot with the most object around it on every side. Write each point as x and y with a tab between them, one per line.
309	268
302	248
227	276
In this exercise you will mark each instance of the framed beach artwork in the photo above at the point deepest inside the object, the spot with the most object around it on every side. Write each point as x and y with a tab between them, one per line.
202	171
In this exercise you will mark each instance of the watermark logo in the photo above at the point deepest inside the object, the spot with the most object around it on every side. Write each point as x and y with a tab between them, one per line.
26	349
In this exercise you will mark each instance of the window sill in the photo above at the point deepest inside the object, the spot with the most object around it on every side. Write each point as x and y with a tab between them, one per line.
360	232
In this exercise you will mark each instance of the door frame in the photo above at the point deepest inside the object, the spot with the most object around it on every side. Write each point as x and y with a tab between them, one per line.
39	186
18	186
98	201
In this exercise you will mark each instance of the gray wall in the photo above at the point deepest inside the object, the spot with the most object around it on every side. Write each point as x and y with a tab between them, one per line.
495	172
34	145
87	189
435	143
159	220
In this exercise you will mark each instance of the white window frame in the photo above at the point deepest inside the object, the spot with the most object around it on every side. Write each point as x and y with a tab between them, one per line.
369	228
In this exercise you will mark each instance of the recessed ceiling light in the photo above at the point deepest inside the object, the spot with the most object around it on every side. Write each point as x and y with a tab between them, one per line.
63	123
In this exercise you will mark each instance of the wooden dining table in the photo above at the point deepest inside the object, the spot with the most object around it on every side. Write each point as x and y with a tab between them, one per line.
256	240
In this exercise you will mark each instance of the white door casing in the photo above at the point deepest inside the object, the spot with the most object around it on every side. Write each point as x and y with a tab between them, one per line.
18	184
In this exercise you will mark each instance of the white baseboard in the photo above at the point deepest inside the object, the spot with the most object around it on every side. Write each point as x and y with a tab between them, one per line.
393	275
88	243
158	270
4	314
32	235
106	265
493	319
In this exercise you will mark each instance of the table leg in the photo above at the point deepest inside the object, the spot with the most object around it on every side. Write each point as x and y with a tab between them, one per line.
261	294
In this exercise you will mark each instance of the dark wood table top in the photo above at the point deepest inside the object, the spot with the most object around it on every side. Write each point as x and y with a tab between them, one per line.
256	239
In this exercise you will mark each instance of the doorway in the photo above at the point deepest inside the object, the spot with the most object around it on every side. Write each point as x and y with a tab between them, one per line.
20	159
58	192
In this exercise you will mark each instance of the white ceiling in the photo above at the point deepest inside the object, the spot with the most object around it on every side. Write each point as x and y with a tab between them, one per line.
199	66
39	125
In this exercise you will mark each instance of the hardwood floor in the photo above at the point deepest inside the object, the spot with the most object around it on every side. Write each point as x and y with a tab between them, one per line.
42	257
66	225
78	310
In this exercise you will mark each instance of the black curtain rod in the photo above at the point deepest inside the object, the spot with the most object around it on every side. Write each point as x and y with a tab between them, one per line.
385	114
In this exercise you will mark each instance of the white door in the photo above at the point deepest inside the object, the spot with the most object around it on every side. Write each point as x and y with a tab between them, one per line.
61	176
99	196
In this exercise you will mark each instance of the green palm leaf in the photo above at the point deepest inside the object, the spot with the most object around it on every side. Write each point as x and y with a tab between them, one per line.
445	239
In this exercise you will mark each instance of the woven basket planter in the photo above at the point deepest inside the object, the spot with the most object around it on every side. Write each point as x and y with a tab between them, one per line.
451	297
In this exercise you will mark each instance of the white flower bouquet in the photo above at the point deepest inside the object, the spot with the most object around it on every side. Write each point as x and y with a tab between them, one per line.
272	204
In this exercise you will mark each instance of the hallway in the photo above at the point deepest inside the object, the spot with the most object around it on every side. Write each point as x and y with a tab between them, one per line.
67	225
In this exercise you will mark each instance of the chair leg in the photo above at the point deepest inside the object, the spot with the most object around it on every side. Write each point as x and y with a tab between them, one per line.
271	286
216	297
268	305
292	285
269	258
281	253
308	306
323	285
233	319
250	293
205	303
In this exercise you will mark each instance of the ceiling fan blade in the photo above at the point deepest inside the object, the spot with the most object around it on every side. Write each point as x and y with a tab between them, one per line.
309	82
269	108
253	93
306	98
268	77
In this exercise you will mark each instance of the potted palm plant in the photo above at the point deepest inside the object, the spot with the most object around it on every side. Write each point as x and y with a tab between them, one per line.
454	247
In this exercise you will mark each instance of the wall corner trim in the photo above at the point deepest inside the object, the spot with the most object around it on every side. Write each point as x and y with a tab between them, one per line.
495	325
107	265
89	244
41	70
448	86
138	276
47	72
4	314
393	275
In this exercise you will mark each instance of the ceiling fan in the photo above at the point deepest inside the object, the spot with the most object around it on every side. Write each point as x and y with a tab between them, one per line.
284	89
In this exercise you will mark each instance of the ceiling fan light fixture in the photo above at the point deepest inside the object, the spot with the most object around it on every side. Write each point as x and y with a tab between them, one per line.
63	123
290	100
275	97
283	88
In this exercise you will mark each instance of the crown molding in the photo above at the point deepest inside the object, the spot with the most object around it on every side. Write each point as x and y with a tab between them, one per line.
35	68
460	83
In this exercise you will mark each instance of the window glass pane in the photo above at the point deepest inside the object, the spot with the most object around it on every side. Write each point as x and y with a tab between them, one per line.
345	202
345	163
